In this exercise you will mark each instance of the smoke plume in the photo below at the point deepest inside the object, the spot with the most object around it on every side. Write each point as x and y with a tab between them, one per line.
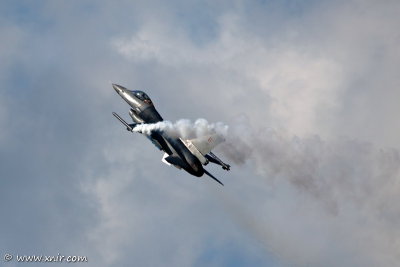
335	171
346	192
184	128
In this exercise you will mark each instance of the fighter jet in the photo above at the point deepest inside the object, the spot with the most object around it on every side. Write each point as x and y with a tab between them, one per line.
189	155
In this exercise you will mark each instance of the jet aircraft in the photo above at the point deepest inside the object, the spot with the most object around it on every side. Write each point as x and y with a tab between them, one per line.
189	155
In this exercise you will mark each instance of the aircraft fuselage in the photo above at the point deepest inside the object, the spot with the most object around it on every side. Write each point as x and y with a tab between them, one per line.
143	111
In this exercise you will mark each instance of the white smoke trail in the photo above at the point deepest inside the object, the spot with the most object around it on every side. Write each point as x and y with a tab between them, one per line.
184	128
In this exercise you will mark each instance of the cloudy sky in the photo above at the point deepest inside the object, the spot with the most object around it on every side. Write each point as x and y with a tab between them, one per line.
309	89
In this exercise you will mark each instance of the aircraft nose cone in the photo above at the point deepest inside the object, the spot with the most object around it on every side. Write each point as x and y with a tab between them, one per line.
118	88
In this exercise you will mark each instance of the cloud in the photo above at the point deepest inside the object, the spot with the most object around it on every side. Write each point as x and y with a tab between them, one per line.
298	81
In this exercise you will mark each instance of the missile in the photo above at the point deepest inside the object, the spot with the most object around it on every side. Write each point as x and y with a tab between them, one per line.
128	127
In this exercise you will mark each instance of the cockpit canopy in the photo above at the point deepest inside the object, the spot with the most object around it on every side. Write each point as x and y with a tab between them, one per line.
142	96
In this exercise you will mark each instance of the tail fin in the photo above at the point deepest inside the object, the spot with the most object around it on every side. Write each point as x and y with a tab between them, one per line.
209	174
206	143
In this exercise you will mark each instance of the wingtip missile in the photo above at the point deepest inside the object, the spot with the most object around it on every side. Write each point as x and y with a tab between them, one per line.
128	127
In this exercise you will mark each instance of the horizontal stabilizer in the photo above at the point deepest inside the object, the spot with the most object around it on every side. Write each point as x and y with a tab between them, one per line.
163	159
